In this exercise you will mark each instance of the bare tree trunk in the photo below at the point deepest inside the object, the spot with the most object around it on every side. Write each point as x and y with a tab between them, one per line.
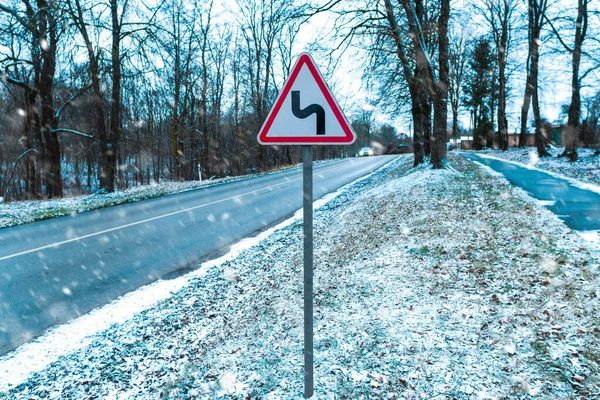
455	125
47	27
426	109
418	116
33	128
502	122
575	106
109	149
525	109
540	132
175	121
489	136
528	83
506	11
440	126
476	137
535	13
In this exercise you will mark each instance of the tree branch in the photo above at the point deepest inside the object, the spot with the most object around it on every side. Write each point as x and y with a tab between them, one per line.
16	82
74	132
70	100
543	12
16	16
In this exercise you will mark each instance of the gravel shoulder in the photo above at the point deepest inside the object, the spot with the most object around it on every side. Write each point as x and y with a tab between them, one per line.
427	283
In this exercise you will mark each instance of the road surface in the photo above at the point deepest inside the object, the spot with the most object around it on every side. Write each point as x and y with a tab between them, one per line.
55	270
579	208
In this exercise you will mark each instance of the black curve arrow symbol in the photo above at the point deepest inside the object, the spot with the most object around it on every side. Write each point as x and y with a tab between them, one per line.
302	113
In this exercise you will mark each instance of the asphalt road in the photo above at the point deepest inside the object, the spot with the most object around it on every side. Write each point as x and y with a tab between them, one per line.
55	270
579	208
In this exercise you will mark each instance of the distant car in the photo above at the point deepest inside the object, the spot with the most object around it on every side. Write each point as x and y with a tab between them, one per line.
365	152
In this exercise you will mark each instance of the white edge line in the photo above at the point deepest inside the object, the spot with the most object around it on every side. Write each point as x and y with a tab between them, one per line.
116	228
18	366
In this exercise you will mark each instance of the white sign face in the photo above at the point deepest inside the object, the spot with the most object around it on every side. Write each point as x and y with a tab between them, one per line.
305	111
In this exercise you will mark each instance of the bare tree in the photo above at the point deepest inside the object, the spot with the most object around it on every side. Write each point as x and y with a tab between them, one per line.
77	14
499	17
41	22
456	77
415	79
574	113
264	21
440	126
415	35
535	16
181	40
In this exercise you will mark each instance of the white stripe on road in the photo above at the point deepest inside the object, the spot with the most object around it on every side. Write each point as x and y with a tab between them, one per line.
75	239
16	367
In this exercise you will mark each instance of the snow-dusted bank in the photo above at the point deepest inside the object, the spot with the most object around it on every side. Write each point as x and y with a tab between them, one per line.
32	357
434	283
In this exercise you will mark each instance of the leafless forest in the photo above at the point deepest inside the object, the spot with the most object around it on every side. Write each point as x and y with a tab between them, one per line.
100	95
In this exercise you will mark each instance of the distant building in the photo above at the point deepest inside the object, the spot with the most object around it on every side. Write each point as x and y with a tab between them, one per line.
466	142
513	139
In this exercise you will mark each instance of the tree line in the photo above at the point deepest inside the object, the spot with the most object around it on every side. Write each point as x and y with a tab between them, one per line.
103	95
431	58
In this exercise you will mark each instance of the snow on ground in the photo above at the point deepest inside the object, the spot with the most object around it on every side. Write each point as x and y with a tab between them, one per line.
22	212
586	168
429	284
36	355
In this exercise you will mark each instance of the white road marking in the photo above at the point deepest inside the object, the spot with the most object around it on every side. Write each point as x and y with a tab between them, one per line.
78	238
17	366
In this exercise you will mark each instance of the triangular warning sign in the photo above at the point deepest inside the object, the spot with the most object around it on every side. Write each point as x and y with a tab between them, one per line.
305	111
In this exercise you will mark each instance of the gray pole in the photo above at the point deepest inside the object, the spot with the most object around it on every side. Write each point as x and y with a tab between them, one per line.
307	156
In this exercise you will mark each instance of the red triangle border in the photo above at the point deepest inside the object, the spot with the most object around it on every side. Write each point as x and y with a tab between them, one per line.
350	137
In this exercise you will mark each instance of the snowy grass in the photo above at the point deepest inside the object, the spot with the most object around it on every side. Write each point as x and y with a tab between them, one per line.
585	169
427	284
22	212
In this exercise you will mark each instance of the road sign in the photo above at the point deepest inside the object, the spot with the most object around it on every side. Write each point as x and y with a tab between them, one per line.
306	112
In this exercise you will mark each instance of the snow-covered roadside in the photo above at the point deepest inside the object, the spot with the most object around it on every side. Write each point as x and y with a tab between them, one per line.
585	169
436	283
34	356
22	212
592	236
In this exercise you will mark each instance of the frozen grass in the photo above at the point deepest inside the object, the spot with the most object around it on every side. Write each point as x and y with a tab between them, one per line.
434	284
586	168
22	212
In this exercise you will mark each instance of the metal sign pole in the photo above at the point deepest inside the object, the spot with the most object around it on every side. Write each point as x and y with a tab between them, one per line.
307	157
